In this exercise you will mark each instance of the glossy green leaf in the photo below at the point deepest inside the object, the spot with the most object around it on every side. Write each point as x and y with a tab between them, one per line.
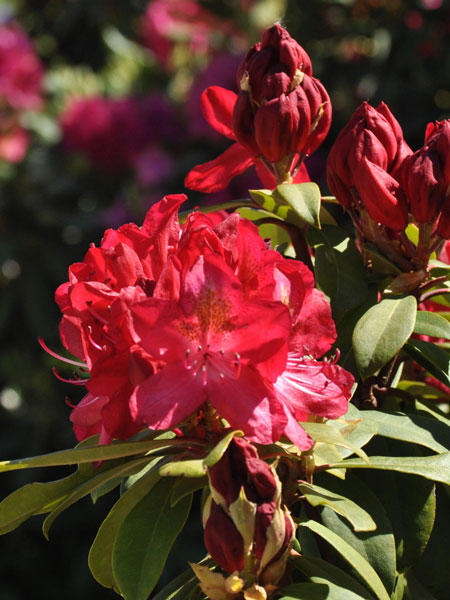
432	324
378	546
317	591
381	333
357	516
365	570
89	454
329	434
412	521
144	540
430	409
298	204
411	428
318	570
304	199
434	359
185	486
87	487
37	498
184	468
436	467
219	449
362	434
339	269
101	552
432	569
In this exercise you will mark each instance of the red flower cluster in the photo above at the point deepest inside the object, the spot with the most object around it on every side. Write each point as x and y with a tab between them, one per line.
20	89
371	168
167	319
281	115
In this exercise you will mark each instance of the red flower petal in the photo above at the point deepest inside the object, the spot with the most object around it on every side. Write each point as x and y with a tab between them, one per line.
217	106
215	175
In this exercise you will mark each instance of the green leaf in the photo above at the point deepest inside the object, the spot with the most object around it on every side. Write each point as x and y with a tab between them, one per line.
377	547
298	203
410	428
180	587
339	269
37	498
431	357
198	467
89	454
362	434
365	570
432	324
317	591
87	487
218	451
304	199
185	486
412	521
144	540
329	434
381	333
101	552
357	516
436	467
185	468
318	570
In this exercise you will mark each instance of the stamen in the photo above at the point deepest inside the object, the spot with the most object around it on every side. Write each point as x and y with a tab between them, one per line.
89	336
95	314
59	357
72	381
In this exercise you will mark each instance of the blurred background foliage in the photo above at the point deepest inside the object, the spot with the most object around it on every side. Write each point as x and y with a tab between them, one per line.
117	125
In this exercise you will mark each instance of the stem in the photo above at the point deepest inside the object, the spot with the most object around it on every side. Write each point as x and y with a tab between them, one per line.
433	293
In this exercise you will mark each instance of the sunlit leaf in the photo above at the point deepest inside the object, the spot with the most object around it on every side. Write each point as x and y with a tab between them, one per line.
381	333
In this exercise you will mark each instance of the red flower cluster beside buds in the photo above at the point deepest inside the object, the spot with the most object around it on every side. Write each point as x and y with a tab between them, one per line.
167	319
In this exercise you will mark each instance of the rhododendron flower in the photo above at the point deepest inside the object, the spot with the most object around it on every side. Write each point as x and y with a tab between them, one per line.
114	133
14	139
168	22
21	71
170	320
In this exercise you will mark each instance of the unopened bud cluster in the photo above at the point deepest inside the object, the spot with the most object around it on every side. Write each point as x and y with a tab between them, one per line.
385	185
247	530
282	110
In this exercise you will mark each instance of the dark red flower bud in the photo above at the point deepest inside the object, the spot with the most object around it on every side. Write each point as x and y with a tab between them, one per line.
241	467
437	136
282	125
320	111
382	196
243	125
423	183
223	540
372	134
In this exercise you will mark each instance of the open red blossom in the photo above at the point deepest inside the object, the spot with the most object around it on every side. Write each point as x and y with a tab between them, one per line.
168	318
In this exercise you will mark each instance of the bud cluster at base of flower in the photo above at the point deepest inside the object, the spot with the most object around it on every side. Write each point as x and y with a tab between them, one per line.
247	530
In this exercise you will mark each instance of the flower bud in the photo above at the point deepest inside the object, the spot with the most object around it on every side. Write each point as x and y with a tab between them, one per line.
423	183
382	196
281	110
246	528
368	152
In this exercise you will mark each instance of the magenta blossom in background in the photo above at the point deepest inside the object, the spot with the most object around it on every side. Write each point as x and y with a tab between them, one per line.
114	133
220	71
169	22
21	71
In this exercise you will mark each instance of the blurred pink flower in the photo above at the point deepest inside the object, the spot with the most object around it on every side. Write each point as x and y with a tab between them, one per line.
14	140
21	71
113	133
168	22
